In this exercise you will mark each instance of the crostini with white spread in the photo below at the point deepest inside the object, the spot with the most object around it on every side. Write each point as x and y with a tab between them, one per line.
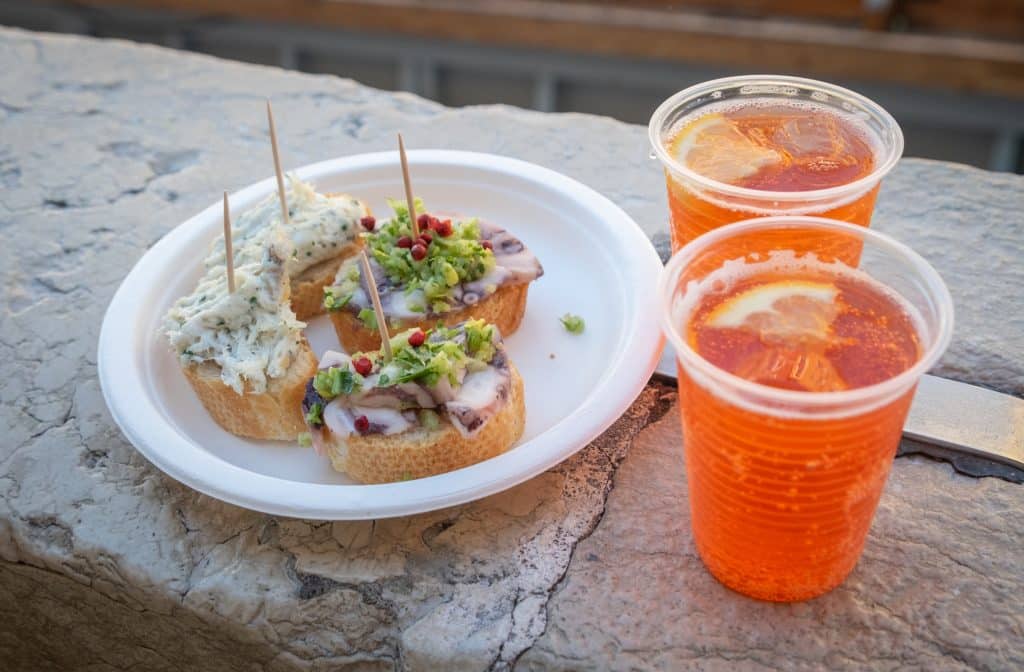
243	352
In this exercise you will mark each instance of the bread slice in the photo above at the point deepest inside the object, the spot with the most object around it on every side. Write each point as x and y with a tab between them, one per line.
275	413
308	287
504	309
422	452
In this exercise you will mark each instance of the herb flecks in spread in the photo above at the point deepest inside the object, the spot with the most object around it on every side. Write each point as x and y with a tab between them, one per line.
319	225
252	334
460	373
450	266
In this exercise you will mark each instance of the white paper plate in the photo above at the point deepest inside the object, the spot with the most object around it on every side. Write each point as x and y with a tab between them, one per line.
597	264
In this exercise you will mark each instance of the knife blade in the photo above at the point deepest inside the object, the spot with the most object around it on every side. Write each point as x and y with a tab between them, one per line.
980	432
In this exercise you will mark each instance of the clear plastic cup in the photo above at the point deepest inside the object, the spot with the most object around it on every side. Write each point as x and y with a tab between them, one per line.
699	204
783	483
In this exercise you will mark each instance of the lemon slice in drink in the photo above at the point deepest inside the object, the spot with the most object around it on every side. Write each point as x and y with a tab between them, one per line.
712	146
787	311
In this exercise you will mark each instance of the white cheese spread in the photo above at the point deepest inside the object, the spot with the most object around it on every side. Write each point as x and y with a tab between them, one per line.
253	335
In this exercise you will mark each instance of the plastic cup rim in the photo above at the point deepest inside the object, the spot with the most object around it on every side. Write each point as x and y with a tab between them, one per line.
861	184
818	401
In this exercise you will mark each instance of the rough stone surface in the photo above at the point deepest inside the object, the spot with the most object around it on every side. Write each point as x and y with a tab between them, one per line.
924	595
106	564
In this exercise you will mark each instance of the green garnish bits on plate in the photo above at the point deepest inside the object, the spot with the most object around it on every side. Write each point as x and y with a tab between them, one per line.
574	324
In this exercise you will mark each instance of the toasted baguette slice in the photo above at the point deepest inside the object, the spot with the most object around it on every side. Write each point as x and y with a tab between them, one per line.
422	452
275	413
503	309
308	287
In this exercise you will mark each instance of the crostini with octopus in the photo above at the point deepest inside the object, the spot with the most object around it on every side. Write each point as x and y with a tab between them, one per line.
454	270
449	397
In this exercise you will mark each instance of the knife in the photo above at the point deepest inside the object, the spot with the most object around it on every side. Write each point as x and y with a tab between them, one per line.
978	431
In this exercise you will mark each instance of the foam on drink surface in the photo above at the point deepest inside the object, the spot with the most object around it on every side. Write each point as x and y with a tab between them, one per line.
774	145
797	323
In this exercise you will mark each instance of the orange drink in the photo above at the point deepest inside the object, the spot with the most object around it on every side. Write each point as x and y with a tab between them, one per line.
743	147
796	372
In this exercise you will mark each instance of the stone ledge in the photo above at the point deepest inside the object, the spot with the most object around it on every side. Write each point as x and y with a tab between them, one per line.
922	597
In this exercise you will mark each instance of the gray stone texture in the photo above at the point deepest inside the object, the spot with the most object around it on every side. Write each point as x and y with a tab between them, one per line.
107	564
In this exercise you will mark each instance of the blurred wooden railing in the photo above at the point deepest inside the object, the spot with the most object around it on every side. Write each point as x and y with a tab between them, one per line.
975	46
1001	19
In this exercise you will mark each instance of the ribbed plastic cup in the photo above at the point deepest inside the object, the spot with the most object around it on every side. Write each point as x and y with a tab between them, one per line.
699	204
783	484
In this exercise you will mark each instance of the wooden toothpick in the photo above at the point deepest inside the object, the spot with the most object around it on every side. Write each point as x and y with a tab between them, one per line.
229	254
408	189
277	165
378	308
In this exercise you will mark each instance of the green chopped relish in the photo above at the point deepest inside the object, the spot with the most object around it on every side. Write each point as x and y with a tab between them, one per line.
335	299
315	416
450	261
444	352
429	418
331	382
368	317
338	296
